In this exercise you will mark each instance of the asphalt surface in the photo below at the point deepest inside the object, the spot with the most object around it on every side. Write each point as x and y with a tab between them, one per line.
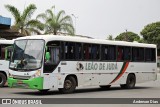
143	90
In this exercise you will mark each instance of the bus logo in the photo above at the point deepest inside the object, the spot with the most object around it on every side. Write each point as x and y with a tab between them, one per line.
79	66
6	101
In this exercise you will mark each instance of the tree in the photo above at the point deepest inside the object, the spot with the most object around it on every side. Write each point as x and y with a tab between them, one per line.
56	23
128	36
110	37
141	40
151	34
23	22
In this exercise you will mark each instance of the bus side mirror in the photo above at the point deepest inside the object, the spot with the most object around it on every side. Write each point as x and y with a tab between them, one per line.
47	56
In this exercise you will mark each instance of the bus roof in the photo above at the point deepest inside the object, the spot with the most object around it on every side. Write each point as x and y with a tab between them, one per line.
87	40
6	41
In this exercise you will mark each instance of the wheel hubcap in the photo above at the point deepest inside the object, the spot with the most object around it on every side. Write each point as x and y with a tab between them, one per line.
68	84
131	81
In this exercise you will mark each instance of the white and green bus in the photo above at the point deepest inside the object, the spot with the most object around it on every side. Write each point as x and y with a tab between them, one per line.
5	54
49	62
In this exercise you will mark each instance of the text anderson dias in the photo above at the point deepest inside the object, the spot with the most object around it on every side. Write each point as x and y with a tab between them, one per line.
145	101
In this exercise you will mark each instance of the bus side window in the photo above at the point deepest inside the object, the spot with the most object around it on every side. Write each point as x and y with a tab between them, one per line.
2	53
148	54
153	55
69	50
123	53
104	53
111	53
95	50
87	51
127	53
141	54
72	51
120	53
78	51
138	54
8	52
134	54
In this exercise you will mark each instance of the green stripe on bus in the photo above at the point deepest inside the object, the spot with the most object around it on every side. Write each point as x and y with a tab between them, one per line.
34	83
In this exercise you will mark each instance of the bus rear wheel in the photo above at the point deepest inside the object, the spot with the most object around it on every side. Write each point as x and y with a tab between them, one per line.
3	79
69	85
130	83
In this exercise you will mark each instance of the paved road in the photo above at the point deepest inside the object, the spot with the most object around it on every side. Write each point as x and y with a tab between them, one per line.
143	90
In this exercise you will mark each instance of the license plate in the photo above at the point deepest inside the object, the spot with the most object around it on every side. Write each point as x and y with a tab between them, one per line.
19	82
16	85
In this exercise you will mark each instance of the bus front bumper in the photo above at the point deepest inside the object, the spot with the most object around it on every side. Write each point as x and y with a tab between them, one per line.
34	83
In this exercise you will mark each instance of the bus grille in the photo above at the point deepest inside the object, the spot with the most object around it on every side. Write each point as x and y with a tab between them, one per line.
21	77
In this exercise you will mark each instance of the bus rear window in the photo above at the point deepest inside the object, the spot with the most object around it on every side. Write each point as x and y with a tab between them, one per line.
150	55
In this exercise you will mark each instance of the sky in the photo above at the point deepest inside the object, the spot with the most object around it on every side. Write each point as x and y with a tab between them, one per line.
97	18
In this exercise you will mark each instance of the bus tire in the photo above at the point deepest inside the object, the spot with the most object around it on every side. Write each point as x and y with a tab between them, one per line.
3	79
69	85
130	83
105	86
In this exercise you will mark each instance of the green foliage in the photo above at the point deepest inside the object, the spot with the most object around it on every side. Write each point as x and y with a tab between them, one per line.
56	23
128	36
151	33
141	40
23	22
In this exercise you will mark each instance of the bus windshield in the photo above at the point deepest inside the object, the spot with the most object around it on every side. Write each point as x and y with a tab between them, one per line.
27	55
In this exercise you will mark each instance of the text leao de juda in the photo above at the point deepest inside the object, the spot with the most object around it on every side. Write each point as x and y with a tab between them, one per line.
101	66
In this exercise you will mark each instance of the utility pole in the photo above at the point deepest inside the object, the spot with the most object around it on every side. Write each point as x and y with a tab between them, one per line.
126	38
75	17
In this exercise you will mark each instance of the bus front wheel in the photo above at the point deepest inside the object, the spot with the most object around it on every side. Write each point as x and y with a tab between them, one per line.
69	85
2	79
130	83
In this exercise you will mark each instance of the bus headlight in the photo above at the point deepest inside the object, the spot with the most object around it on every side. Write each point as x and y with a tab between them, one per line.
37	74
10	75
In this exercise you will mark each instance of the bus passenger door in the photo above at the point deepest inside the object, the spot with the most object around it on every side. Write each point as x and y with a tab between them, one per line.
51	59
50	64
